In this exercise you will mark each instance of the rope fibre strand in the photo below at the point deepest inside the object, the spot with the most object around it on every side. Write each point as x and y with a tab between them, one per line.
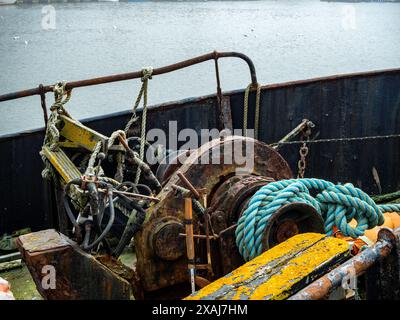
337	205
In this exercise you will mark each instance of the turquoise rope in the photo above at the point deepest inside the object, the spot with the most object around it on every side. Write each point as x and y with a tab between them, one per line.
337	204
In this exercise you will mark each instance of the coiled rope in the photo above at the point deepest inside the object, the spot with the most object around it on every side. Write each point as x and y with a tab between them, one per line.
337	204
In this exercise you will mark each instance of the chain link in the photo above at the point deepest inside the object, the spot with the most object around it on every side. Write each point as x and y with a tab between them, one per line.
301	164
303	151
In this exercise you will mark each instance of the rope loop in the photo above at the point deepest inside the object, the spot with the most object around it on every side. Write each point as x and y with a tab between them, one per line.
147	73
337	205
59	100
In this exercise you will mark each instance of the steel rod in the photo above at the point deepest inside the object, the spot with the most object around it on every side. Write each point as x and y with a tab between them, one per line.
357	265
133	195
135	75
188	185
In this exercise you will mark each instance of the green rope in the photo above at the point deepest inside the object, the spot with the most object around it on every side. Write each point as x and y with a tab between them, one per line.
134	118
337	204
384	198
147	72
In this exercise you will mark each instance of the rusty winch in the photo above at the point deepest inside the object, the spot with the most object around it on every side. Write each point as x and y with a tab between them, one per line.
219	185
219	178
181	211
224	190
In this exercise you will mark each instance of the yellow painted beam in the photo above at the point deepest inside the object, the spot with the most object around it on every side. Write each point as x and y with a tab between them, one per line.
78	134
63	165
280	271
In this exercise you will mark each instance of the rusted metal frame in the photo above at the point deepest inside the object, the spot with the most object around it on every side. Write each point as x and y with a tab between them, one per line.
132	195
208	244
135	75
303	126
219	93
199	236
203	197
232	227
202	266
188	185
43	103
356	266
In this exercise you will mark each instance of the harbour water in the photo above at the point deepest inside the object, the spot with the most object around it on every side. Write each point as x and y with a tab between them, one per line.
287	40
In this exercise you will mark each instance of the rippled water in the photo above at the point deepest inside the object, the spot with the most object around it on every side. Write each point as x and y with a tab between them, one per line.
287	40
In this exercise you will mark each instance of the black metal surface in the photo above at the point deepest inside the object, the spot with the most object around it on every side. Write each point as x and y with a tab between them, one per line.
382	280
366	104
342	106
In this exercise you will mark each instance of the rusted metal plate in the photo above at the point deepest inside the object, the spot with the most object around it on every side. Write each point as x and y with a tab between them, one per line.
280	271
41	241
229	254
226	113
226	206
61	270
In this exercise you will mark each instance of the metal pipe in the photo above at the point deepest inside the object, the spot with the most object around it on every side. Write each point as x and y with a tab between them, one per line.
198	236
133	195
43	104
135	75
321	288
188	185
305	124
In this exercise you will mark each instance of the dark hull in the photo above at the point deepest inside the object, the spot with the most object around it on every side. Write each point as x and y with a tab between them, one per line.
365	104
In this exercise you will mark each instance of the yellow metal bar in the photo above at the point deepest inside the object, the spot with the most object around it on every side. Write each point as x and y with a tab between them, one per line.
80	135
62	164
279	272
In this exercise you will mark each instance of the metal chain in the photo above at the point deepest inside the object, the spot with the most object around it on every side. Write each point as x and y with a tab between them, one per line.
303	151
389	136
